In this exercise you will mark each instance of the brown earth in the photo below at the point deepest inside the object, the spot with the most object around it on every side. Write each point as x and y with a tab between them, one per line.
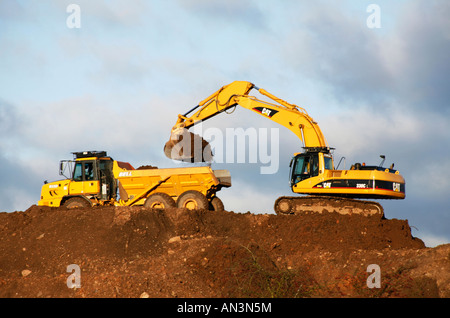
137	252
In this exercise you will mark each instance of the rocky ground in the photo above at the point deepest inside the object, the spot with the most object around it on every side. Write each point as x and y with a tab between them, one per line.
132	252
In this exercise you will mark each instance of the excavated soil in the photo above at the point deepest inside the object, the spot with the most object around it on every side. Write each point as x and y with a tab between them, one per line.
137	252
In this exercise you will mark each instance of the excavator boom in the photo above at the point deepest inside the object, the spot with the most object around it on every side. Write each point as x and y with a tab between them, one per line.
186	146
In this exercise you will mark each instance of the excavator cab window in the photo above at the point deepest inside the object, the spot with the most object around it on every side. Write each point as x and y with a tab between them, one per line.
328	162
305	166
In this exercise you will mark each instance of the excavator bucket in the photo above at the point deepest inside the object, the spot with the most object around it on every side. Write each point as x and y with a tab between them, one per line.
186	146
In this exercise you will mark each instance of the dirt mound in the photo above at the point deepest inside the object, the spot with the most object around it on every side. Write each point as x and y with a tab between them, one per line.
146	167
137	252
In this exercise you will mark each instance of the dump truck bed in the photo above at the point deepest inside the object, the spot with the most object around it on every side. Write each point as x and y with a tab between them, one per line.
135	185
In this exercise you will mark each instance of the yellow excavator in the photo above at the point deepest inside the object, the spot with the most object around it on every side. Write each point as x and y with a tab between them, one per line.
312	171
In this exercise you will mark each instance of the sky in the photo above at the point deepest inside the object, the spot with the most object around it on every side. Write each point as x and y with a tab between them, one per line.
114	75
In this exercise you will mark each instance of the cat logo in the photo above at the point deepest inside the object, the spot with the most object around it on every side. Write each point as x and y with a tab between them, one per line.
265	111
396	186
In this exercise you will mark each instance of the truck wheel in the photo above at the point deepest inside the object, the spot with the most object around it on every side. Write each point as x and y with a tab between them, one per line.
76	203
159	201
193	200
216	205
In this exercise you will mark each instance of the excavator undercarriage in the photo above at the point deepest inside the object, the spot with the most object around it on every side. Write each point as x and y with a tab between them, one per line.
325	204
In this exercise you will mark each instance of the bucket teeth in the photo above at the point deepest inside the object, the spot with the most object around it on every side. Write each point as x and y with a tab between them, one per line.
186	146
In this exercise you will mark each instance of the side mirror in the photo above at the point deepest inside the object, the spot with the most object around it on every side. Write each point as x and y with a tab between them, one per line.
65	166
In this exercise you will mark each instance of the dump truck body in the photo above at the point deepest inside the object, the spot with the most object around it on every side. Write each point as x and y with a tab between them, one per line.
136	184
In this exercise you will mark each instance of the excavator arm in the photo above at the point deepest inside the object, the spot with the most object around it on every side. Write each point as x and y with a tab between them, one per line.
182	144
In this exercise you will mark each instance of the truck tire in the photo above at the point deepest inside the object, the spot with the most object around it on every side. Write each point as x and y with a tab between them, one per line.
193	200
216	205
77	203
159	201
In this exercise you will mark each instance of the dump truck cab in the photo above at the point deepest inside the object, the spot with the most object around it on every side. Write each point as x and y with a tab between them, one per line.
93	176
90	181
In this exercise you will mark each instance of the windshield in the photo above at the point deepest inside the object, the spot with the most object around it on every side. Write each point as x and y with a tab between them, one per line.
84	171
305	166
301	166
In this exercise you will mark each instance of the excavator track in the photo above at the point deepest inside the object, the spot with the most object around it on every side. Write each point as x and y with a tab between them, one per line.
327	204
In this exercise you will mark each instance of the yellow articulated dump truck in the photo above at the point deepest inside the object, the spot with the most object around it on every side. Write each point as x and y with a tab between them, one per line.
96	179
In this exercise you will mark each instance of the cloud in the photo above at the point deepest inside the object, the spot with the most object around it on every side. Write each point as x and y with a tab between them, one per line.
19	186
88	121
242	197
227	12
432	240
13	11
437	173
106	14
417	55
407	63
337	49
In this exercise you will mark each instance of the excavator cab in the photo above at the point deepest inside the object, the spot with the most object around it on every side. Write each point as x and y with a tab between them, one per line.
308	165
